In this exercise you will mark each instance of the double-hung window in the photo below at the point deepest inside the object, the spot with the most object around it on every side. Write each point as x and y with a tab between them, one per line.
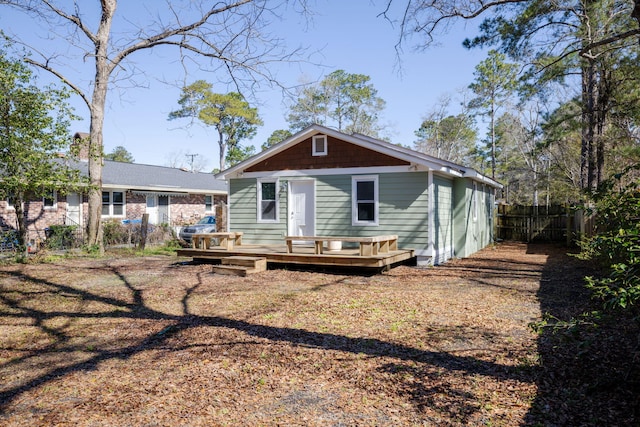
364	197
113	203
49	201
208	203
268	205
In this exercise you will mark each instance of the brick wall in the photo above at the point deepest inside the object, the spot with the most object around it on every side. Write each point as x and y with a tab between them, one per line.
37	217
183	211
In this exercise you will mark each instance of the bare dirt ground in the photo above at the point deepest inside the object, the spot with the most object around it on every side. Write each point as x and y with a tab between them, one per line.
157	341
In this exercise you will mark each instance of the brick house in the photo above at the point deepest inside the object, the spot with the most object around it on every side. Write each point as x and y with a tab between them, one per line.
170	196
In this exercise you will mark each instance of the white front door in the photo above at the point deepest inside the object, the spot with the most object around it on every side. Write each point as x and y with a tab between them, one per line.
302	208
74	209
158	209
152	208
163	210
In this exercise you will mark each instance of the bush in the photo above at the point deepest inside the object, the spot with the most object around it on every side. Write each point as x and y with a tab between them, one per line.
61	236
115	233
617	245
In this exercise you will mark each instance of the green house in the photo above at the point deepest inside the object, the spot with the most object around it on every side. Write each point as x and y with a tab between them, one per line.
321	182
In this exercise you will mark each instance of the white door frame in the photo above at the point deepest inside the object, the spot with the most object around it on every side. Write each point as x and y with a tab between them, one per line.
308	188
154	211
71	213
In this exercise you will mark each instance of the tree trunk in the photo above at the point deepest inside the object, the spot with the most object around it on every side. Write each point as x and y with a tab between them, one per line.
222	146
23	233
493	140
602	109
587	155
98	100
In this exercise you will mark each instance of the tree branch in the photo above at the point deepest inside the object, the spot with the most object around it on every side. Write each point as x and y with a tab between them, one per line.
609	40
66	81
74	19
159	38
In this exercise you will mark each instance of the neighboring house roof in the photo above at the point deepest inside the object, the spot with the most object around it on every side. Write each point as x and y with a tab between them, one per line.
416	159
159	178
135	176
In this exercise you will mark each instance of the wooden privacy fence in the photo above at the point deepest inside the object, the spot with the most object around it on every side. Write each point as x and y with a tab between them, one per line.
555	223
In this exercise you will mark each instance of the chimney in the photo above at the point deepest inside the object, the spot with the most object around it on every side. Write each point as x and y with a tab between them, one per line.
80	145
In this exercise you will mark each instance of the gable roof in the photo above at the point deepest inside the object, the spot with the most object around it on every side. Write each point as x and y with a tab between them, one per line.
135	176
415	158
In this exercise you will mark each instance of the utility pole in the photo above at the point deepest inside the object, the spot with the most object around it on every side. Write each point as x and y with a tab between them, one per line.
191	156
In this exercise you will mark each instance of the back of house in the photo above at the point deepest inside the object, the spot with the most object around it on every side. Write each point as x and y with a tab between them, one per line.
321	182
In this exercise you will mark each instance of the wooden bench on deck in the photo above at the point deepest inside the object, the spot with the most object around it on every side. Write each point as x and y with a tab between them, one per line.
369	246
227	239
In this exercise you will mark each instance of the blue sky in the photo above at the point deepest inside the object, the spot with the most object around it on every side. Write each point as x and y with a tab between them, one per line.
348	35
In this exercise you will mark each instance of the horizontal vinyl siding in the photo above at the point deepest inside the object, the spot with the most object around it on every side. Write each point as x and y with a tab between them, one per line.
444	218
472	235
403	208
243	214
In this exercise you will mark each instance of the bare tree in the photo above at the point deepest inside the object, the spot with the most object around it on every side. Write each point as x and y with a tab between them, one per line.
182	159
219	36
432	19
556	40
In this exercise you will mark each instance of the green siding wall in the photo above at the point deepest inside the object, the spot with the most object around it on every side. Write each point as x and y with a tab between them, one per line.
443	193
403	207
243	214
472	234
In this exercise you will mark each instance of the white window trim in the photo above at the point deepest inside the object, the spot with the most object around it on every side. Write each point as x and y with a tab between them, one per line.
314	145
10	206
124	204
259	201
54	206
354	200
213	208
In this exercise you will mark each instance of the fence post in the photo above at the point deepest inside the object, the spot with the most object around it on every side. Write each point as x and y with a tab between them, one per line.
143	231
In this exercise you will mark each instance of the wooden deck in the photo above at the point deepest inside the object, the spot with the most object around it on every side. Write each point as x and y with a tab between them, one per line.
303	255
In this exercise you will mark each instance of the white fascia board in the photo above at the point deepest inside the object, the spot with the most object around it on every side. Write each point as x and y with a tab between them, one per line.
271	151
477	176
418	160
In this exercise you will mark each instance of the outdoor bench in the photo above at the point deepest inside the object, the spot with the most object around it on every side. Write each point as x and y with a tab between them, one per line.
368	245
226	239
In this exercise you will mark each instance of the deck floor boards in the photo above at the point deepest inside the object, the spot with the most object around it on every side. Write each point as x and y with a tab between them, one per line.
303	255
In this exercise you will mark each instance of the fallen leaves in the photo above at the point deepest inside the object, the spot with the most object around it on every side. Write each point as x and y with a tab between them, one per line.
153	341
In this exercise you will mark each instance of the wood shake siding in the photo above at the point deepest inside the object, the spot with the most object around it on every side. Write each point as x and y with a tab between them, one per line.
340	154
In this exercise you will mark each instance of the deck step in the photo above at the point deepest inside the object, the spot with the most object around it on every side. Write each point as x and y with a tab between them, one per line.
258	263
241	265
232	270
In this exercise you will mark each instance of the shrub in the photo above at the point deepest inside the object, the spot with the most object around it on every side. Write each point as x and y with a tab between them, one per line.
114	232
617	245
61	236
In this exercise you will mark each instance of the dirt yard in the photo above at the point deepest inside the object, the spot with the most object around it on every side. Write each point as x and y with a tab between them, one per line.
158	341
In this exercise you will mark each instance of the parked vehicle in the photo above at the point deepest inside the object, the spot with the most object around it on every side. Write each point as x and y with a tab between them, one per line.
206	225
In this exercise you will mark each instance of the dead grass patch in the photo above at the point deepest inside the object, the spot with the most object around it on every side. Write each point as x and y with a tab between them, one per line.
156	341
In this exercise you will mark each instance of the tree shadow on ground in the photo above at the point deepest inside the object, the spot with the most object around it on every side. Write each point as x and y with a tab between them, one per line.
131	306
588	374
